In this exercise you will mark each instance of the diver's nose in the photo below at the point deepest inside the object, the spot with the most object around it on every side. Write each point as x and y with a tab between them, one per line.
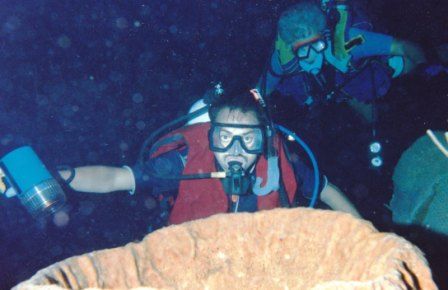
236	148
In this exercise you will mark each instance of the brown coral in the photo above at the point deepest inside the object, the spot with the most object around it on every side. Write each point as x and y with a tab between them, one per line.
277	249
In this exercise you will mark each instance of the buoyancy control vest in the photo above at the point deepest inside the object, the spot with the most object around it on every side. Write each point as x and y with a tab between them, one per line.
201	198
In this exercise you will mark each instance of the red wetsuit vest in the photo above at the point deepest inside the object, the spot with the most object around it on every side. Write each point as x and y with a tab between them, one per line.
201	198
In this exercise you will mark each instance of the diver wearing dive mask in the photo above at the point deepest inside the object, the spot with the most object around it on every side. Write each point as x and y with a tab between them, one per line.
238	142
327	50
184	175
310	53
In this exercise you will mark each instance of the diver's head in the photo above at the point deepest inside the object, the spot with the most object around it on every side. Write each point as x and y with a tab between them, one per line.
237	131
301	21
301	27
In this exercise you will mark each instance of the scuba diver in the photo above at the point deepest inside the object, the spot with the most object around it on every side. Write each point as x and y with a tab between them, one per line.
324	52
234	163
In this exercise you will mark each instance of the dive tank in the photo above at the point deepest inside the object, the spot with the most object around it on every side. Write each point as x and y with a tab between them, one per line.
36	188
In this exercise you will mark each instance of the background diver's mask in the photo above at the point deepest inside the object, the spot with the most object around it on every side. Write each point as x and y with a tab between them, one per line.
310	49
221	139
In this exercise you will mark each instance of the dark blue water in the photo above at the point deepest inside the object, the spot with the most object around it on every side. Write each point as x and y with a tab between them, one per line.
85	82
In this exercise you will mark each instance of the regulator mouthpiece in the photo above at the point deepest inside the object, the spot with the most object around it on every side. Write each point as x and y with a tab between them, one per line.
237	182
235	167
36	188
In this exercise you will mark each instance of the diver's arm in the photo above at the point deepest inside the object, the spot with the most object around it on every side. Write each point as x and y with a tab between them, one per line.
412	53
267	83
379	44
334	198
271	75
100	179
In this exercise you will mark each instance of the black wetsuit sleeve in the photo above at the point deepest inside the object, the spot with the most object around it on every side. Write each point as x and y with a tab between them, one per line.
158	174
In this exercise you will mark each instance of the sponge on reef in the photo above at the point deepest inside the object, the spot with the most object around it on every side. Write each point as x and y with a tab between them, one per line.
276	249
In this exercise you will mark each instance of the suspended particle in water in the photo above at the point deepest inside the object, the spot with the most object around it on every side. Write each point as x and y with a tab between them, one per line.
124	146
127	112
140	125
121	23
173	29
150	203
12	24
137	98
86	208
5	140
64	42
61	219
108	43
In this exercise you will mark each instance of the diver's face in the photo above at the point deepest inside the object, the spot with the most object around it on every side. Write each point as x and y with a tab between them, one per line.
236	153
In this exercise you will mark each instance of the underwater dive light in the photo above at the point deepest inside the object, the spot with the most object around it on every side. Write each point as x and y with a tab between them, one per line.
36	188
376	161
375	149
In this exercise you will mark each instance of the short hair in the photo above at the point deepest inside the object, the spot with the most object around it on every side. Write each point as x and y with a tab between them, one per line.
301	20
244	102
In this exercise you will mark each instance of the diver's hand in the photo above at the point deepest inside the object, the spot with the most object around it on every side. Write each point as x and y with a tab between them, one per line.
8	191
431	71
3	186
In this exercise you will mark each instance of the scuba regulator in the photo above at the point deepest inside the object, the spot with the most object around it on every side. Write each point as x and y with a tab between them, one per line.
237	182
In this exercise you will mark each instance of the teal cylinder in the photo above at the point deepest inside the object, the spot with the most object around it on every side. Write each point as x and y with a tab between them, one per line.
36	188
24	169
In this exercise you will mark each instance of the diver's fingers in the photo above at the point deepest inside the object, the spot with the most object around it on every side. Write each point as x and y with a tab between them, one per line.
2	186
10	192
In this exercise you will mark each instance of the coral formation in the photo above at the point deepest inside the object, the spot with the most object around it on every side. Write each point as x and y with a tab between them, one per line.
277	249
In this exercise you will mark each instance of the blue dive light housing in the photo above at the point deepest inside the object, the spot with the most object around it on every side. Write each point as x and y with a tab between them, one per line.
36	188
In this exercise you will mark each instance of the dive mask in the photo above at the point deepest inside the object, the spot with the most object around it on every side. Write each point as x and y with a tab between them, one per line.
223	137
302	49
